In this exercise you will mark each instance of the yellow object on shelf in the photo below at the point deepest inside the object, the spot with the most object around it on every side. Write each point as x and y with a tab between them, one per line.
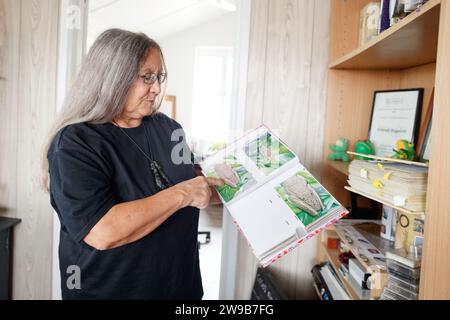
377	184
387	176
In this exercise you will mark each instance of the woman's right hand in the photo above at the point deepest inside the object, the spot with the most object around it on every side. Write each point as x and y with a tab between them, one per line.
196	192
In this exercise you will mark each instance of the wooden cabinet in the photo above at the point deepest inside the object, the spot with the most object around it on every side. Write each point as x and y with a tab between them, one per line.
6	230
413	53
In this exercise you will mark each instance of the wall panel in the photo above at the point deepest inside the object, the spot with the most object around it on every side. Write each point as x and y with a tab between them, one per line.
286	91
28	57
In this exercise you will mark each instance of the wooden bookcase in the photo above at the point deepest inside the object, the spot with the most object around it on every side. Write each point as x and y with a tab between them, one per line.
413	53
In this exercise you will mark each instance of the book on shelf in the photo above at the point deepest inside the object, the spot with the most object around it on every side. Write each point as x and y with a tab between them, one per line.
401	185
343	270
385	17
273	199
333	283
319	283
388	222
362	292
398	9
359	273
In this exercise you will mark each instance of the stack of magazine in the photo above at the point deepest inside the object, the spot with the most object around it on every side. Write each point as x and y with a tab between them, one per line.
400	184
274	201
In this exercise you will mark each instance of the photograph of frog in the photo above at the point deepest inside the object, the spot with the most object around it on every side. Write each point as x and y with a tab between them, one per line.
268	153
306	197
236	177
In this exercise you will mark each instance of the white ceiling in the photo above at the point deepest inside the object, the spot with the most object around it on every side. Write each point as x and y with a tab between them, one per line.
157	18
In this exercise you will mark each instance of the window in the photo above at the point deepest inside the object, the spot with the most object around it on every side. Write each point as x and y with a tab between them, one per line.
213	74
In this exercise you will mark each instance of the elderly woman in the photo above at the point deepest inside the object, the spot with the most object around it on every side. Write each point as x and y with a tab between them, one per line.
128	210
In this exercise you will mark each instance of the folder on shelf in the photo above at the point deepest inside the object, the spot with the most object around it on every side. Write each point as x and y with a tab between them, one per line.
358	272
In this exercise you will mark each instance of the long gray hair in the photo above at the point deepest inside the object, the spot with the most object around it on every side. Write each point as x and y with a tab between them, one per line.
102	84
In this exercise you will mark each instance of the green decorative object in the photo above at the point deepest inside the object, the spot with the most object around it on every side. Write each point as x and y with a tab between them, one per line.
339	150
404	150
364	147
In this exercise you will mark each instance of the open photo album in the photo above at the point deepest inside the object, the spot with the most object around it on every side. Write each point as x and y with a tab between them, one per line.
274	201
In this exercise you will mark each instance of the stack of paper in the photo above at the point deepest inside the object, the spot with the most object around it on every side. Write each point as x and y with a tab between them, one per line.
402	185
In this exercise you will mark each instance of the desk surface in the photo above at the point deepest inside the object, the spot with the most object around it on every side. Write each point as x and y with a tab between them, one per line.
6	223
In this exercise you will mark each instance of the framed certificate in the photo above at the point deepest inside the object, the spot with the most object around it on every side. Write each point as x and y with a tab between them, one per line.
395	115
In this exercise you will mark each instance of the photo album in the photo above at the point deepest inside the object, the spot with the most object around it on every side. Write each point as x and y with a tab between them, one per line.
274	201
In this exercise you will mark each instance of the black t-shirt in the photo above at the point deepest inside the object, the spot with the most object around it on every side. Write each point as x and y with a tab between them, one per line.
94	167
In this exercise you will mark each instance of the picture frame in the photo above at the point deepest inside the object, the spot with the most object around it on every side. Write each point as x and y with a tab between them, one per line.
395	115
169	106
423	145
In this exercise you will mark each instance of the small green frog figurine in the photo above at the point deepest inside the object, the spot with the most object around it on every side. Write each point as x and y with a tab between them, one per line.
339	150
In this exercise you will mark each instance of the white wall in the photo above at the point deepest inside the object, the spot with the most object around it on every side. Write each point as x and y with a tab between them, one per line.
179	53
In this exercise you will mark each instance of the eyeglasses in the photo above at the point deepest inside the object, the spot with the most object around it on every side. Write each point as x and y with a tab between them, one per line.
150	78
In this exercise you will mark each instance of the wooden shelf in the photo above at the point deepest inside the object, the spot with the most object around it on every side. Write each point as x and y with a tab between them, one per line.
382	201
333	258
339	166
411	54
414	163
411	42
